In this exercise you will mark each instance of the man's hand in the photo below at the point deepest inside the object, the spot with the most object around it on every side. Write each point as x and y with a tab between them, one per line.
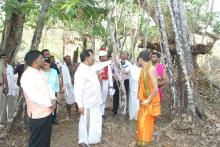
145	102
62	90
81	111
53	102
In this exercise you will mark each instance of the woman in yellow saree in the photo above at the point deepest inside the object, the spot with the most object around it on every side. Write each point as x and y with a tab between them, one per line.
149	98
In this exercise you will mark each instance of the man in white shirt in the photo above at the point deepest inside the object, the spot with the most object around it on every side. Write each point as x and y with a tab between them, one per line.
88	96
9	99
40	100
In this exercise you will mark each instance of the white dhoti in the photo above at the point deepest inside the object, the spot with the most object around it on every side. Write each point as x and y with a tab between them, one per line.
104	95
133	104
69	95
133	100
90	126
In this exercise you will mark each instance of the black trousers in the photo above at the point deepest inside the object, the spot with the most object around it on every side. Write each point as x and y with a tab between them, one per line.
54	115
40	132
116	95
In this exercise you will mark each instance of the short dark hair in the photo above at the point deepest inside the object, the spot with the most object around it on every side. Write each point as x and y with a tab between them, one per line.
64	58
144	55
156	53
90	51
31	56
85	54
2	55
44	50
125	52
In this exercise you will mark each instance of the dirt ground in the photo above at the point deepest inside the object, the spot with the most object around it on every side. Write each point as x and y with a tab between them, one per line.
119	131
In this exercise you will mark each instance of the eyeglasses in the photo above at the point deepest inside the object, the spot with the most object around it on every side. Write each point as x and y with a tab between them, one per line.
46	59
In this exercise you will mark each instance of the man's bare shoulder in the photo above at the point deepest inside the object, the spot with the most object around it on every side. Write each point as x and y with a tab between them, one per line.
152	69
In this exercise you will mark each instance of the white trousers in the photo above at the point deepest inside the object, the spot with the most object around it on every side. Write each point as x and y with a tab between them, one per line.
104	95
90	126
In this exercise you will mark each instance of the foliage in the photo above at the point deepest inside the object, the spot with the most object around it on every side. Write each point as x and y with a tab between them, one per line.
87	16
81	15
216	24
199	15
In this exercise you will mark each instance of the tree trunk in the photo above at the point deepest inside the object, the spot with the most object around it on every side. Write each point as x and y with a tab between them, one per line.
118	66
166	50
64	32
85	41
93	45
40	25
12	33
68	43
44	37
182	46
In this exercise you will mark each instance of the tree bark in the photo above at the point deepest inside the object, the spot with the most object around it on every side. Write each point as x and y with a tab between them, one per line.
93	45
44	37
118	66
85	41
40	25
166	50
68	43
195	49
12	34
183	50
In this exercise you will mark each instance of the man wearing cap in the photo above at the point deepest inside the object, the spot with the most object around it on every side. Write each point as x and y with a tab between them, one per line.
40	100
106	78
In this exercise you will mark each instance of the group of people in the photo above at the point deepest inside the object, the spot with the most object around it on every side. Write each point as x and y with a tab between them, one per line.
87	86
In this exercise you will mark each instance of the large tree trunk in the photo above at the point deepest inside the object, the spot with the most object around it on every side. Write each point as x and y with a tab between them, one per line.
40	25
182	46
165	47
12	33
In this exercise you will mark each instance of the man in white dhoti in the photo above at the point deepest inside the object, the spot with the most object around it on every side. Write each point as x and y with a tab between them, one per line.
88	96
134	73
106	79
67	87
9	99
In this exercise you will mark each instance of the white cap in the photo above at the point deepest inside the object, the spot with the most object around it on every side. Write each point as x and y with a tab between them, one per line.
103	52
